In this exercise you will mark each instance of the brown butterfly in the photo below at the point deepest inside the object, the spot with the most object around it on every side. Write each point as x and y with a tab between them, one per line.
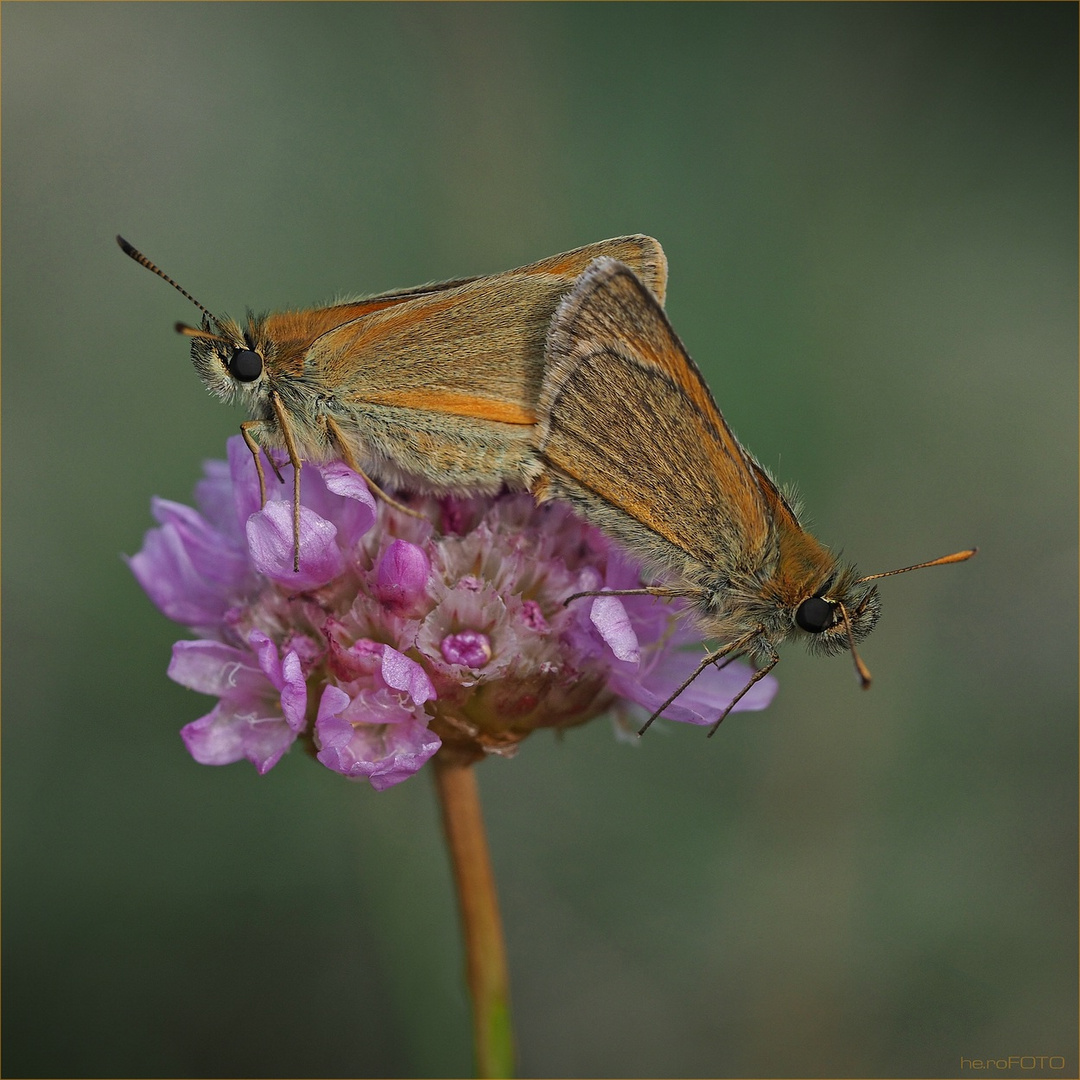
631	436
431	389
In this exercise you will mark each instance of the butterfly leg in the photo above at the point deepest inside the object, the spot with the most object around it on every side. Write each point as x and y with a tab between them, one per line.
337	437
650	590
731	650
256	454
294	460
774	659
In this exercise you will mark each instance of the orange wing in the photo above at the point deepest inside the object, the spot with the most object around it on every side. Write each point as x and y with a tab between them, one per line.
472	348
625	413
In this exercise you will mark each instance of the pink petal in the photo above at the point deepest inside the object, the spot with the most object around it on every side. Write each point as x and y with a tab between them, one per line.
223	736
357	514
609	617
212	556
213	668
383	753
270	543
165	571
401	673
403	575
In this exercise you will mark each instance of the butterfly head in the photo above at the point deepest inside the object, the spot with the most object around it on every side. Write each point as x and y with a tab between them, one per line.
838	615
231	361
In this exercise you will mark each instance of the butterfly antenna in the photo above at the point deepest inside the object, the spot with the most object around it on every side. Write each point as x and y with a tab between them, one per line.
861	669
142	260
202	335
956	556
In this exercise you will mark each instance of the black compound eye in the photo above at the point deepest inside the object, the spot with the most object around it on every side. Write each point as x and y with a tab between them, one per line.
815	615
245	365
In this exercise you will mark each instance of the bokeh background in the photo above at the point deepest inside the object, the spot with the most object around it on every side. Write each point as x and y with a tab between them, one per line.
870	216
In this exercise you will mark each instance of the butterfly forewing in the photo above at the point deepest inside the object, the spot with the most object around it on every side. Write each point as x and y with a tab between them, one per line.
437	369
434	388
662	454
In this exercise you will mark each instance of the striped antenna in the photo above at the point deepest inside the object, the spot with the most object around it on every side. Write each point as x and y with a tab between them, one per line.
142	260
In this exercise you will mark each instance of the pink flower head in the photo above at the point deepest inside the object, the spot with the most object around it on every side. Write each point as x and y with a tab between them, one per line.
400	635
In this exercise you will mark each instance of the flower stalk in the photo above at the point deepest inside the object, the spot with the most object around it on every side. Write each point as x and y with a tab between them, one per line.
485	952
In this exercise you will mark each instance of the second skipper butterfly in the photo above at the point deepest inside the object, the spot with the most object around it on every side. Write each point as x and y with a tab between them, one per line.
631	436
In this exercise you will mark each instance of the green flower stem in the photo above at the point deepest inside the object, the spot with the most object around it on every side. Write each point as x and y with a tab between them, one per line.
485	954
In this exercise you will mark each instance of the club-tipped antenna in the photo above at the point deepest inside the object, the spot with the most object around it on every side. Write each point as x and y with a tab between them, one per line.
142	260
860	668
956	556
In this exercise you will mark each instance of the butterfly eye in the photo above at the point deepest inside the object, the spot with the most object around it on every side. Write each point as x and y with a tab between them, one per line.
815	615
245	365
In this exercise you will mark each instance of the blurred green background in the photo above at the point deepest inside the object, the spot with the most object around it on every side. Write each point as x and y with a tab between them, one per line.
870	217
